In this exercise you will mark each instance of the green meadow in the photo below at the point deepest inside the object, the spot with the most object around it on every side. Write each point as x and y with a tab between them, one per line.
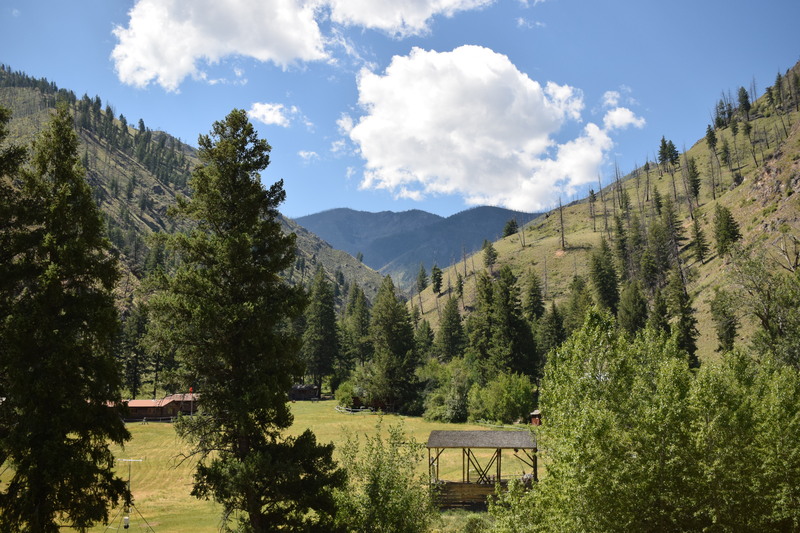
162	481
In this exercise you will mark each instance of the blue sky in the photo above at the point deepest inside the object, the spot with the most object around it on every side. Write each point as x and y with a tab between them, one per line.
415	104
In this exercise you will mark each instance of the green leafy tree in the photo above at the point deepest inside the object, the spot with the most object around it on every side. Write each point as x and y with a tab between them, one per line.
619	454
320	338
726	229
384	491
227	314
59	382
507	398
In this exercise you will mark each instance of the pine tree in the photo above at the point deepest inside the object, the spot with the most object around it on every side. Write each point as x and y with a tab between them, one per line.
320	339
683	325
228	315
551	332
394	385
534	300
726	323
436	280
694	180
744	103
510	228
604	277
450	339
60	385
578	303
489	256
512	345
699	242
632	314
726	229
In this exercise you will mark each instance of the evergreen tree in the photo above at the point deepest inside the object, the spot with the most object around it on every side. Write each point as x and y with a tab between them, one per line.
534	300
699	241
356	327
711	139
436	280
392	381
694	179
603	276
135	360
489	256
510	228
658	318
479	325
450	339
320	339
551	332
684	324
423	340
744	103
60	385
228	314
726	229
512	345
632	314
578	303
726	323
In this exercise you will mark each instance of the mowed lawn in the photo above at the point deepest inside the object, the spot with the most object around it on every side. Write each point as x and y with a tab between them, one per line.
162	482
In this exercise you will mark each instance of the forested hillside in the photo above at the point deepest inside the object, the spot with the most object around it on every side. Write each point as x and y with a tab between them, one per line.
398	243
137	173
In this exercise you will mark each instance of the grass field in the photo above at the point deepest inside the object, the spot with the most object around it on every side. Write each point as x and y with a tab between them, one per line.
161	483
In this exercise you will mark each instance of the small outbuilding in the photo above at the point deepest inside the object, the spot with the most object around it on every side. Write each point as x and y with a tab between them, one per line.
480	476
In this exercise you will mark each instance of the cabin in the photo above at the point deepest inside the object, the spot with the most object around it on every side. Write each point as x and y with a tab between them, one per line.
166	408
482	454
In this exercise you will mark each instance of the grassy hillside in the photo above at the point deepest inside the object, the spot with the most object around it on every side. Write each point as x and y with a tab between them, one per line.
759	188
137	173
161	482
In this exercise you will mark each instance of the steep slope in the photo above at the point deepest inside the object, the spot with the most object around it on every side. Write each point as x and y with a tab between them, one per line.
759	186
137	173
397	243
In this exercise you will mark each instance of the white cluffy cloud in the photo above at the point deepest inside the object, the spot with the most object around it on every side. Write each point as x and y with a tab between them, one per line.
278	115
167	40
468	122
397	17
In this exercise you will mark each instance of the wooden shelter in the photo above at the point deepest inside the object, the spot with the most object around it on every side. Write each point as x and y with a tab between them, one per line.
473	490
166	408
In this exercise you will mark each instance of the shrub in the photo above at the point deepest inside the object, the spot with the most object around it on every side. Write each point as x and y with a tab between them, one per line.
507	398
383	491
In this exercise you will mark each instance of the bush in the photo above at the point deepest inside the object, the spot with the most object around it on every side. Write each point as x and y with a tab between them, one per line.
383	491
506	399
345	393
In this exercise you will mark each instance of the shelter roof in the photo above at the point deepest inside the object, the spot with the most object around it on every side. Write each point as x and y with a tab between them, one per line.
482	439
